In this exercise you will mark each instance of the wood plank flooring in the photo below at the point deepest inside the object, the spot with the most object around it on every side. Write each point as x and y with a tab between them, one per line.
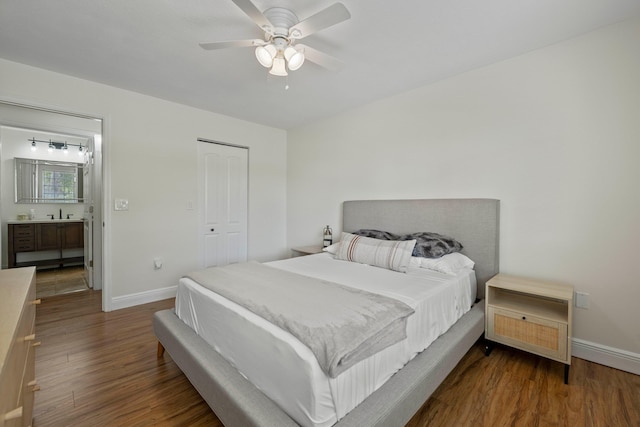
100	369
58	281
515	388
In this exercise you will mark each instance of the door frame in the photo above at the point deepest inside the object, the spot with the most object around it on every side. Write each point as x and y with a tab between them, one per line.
104	260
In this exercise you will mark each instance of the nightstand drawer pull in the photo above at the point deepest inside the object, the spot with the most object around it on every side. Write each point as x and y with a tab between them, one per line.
524	318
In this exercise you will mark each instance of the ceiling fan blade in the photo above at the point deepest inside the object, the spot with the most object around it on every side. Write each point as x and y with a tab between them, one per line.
254	13
232	43
320	58
332	15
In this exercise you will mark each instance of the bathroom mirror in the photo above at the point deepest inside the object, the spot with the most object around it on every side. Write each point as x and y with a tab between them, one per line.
47	181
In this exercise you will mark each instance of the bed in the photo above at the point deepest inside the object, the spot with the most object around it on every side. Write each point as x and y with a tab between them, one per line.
237	402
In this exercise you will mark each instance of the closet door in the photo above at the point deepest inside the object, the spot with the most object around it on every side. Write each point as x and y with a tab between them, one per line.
222	198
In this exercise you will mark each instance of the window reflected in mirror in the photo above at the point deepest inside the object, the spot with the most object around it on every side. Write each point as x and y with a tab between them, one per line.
47	181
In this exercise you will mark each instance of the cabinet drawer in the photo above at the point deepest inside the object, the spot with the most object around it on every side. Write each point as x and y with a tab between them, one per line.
17	369
20	230
540	336
29	386
24	244
20	354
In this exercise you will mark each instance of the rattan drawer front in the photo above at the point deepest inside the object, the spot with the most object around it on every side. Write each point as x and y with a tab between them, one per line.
530	333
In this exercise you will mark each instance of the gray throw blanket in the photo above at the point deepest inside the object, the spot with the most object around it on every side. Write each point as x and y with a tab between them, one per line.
340	325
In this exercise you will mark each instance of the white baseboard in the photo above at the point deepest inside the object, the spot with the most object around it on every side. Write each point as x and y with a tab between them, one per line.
604	355
143	297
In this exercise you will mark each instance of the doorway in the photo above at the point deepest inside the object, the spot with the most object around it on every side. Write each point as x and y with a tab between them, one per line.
74	139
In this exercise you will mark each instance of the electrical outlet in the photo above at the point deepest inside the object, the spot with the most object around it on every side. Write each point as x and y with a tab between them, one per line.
157	263
582	300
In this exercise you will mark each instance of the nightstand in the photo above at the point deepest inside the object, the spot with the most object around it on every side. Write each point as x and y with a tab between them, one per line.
531	315
306	250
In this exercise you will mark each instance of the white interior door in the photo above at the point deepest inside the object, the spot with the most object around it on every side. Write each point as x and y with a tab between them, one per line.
222	198
87	194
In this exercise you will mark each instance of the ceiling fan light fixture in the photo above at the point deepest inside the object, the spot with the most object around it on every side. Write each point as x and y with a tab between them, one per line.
278	68
265	55
295	57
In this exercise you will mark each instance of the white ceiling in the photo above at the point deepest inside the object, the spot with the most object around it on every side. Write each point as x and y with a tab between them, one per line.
151	47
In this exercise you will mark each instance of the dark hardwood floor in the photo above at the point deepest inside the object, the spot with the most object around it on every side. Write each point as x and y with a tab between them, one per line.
100	369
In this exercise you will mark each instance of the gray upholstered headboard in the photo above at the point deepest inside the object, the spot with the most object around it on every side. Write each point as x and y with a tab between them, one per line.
473	222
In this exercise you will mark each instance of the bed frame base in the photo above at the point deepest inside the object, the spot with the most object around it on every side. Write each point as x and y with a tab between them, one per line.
239	403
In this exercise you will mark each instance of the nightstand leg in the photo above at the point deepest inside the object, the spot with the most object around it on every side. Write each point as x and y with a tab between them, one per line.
488	347
566	373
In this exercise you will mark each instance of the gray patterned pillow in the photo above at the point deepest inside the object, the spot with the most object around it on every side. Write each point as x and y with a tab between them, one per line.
432	245
428	244
377	234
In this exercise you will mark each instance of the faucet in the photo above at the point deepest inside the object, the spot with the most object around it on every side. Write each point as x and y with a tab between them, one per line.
52	216
60	213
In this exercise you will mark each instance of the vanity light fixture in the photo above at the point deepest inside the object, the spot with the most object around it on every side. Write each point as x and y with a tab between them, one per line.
54	145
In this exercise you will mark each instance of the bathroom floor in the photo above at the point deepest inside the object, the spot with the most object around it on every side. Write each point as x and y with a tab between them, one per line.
59	281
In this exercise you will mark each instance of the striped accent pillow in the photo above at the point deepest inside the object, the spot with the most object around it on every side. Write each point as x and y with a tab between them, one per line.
389	254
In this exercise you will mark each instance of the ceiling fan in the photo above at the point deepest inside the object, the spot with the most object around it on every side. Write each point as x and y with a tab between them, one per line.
279	50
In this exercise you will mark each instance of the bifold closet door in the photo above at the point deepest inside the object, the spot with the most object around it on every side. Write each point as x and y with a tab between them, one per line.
222	200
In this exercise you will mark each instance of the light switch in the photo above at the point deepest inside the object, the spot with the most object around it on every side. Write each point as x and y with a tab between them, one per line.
121	205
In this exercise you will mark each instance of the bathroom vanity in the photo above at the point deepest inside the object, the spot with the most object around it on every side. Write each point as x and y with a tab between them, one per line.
53	236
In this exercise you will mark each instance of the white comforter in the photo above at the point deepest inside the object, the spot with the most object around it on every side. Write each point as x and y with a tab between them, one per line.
286	370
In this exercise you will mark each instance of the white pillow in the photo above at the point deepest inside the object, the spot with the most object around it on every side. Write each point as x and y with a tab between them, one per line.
448	264
389	254
332	249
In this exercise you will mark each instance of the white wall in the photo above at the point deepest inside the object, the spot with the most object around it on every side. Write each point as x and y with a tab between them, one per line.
554	134
150	153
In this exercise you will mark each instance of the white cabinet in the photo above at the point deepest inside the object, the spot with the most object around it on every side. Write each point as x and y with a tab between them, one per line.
531	315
